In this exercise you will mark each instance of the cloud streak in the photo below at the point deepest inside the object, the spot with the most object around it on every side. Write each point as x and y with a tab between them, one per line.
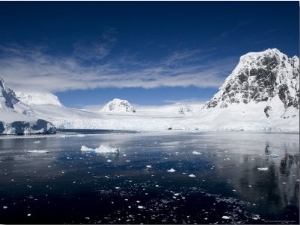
32	68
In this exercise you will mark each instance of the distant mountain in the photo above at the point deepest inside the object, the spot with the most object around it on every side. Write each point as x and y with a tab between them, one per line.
38	98
17	117
118	106
269	78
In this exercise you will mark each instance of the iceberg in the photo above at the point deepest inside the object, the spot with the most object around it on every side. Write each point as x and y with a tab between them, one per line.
100	149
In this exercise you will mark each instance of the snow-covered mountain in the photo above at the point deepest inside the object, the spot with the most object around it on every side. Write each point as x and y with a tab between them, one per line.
261	94
18	118
38	98
10	103
118	106
268	78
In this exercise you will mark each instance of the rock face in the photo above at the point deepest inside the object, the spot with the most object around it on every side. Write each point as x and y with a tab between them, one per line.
269	76
118	106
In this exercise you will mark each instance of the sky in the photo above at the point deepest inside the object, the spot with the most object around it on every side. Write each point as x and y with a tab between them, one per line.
149	53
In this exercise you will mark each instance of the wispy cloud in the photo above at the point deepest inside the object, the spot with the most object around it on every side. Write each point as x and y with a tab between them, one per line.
33	68
233	30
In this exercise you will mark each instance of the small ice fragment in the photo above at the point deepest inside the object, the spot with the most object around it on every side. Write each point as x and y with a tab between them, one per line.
171	170
127	160
5	207
140	207
117	188
274	155
256	217
36	142
196	153
149	166
263	169
234	190
192	175
28	214
109	160
38	151
137	201
87	218
225	217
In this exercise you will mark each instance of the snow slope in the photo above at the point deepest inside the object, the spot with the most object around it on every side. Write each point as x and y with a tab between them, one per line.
38	98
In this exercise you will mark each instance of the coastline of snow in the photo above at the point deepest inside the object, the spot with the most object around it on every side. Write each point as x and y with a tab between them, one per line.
27	127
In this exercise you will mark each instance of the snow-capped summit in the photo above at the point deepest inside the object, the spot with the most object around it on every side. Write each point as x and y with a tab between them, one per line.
268	77
38	98
118	106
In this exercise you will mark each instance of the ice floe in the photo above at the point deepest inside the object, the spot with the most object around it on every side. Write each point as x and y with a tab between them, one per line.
100	149
171	170
38	151
263	169
196	153
225	217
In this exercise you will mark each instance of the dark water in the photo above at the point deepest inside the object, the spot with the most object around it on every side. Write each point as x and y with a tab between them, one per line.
216	179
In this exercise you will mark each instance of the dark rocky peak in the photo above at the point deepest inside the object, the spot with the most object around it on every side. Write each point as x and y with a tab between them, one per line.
258	77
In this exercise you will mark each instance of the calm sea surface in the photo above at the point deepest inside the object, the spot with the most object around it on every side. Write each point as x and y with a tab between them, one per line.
234	177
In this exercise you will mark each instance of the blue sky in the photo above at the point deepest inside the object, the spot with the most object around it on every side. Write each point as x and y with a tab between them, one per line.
149	53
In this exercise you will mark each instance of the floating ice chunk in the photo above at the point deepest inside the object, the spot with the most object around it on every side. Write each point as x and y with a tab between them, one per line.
225	217
263	169
5	207
86	149
149	166
192	175
171	170
256	217
106	149
38	151
196	153
140	207
100	149
273	155
36	142
109	160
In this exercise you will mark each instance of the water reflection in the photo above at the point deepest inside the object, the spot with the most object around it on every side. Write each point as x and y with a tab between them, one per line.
225	169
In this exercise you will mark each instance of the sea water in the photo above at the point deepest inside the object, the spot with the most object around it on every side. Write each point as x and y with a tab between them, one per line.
165	177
